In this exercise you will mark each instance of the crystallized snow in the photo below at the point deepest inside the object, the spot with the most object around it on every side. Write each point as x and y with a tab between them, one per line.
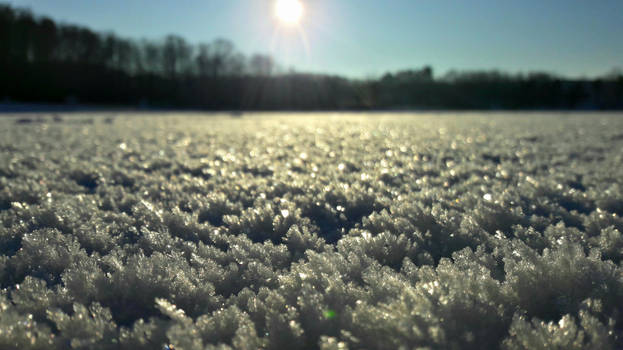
330	231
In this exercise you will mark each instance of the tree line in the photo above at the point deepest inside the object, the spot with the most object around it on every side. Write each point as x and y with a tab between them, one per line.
44	61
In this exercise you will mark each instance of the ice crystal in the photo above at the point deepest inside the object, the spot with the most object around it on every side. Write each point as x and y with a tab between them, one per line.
309	231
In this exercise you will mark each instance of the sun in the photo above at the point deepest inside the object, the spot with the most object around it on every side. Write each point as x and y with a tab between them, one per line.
289	11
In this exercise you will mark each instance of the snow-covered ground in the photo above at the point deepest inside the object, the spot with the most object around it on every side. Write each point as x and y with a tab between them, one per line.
332	231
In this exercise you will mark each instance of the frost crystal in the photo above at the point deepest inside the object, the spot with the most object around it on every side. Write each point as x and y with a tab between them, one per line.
277	231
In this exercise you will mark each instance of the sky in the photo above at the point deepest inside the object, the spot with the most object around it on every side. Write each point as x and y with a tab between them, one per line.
366	38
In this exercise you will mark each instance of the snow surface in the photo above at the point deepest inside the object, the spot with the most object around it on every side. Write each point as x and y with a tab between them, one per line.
331	231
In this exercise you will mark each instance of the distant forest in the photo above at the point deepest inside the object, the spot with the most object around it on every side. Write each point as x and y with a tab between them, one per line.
46	62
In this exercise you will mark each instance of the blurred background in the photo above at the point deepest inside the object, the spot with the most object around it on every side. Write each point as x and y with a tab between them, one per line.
313	54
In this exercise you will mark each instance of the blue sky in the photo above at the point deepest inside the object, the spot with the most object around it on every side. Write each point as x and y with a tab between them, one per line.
365	38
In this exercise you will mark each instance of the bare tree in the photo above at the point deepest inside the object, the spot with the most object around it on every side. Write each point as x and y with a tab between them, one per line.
176	56
261	65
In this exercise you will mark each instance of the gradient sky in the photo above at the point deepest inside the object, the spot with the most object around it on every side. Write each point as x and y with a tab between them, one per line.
365	38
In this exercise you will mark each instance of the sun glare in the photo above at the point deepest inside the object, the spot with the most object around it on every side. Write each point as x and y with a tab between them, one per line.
289	11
